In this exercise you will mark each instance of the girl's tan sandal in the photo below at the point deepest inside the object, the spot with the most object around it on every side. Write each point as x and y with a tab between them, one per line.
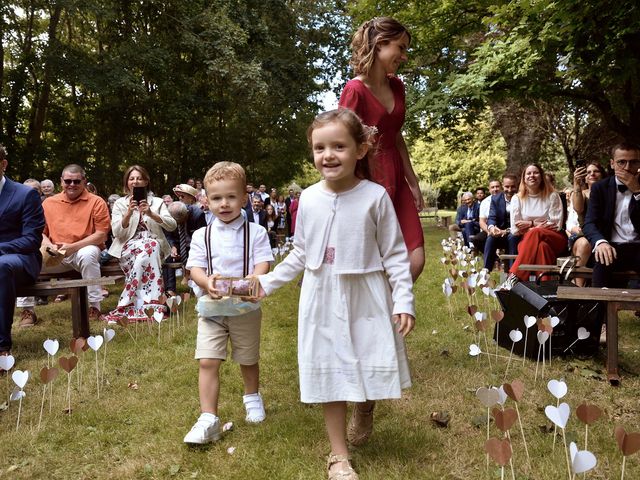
346	473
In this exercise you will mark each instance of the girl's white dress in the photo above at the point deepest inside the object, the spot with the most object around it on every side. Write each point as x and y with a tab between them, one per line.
356	275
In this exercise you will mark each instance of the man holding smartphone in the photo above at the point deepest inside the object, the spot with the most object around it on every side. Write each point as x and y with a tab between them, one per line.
612	224
77	224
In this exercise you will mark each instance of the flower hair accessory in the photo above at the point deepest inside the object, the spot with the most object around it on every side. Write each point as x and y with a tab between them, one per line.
370	133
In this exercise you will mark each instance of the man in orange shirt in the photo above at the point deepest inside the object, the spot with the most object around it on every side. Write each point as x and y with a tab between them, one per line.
77	224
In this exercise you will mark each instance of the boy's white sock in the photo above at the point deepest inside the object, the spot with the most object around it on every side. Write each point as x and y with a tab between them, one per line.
254	407
208	417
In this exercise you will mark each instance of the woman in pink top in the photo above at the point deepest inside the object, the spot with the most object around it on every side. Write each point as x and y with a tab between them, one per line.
379	47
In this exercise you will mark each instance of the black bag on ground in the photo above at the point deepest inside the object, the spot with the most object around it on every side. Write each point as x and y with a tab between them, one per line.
529	298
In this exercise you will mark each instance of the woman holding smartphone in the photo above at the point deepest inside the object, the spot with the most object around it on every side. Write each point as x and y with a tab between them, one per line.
137	222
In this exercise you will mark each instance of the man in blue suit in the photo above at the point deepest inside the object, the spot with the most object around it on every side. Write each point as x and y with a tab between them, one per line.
21	226
499	222
467	217
612	223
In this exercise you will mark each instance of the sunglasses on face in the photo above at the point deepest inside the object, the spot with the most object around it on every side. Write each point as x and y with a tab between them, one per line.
69	181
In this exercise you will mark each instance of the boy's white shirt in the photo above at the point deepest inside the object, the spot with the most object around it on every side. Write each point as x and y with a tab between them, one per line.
227	248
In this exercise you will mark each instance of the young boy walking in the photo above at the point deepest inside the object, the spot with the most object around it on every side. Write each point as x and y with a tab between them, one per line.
229	247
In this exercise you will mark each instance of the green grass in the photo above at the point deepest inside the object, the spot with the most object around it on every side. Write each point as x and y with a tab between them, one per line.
130	433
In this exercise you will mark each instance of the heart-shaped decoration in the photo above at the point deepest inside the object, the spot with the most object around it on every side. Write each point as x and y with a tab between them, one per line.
162	300
558	415
95	342
123	321
629	443
515	390
557	388
480	326
502	396
472	281
149	312
554	322
498	450
588	413
472	309
453	272
454	288
486	291
17	394
543	336
7	362
178	299
480	316
171	302
51	346
544	325
474	350
515	335
48	374
20	378
446	289
108	334
529	321
504	418
186	296
488	396
68	364
583	333
158	316
443	260
581	460
78	344
497	315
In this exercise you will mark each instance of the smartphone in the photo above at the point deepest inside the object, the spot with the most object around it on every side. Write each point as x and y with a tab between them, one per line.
139	193
580	163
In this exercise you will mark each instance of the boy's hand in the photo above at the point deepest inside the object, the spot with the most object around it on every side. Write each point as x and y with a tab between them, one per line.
260	294
405	323
211	290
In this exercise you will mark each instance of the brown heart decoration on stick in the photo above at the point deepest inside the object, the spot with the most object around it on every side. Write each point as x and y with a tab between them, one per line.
68	364
78	344
48	374
514	390
504	418
186	297
480	325
149	312
588	413
498	450
472	309
629	443
162	300
497	315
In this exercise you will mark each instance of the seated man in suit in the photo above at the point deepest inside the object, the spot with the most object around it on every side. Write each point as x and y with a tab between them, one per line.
612	223
256	214
467	217
21	226
480	238
499	223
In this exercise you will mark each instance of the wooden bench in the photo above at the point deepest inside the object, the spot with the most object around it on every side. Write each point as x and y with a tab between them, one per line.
432	212
616	299
573	272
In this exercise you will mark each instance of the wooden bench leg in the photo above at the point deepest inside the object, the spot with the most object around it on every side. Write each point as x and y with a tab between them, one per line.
612	343
80	312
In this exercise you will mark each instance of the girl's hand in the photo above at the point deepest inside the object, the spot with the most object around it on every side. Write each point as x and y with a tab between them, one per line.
405	323
417	197
211	290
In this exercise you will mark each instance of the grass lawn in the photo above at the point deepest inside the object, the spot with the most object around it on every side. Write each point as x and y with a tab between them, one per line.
137	433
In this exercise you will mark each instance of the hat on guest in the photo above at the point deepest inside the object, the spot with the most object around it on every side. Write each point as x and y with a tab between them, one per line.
188	189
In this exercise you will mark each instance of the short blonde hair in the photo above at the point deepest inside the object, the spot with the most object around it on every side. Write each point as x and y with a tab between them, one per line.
370	34
226	171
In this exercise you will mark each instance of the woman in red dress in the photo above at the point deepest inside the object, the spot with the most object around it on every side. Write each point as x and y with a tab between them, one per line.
379	47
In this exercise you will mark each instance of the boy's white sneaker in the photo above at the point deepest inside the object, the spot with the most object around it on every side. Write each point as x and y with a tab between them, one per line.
205	430
254	407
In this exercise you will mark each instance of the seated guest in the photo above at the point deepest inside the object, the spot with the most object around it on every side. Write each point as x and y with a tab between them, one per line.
140	244
480	238
271	220
77	225
256	214
578	199
612	223
499	223
536	217
48	188
467	217
167	199
21	226
480	194
189	218
35	184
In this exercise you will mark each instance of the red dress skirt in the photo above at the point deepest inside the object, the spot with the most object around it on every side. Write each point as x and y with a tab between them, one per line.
387	169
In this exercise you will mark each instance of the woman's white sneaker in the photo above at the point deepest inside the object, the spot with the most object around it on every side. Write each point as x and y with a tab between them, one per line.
254	407
205	430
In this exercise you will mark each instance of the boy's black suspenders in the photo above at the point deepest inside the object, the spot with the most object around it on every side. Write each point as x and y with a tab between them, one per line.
245	255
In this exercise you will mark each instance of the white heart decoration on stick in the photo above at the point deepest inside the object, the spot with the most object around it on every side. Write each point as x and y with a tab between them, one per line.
170	302
486	291
581	460
502	395
158	316
480	316
474	350
543	336
51	346
109	333
17	394
515	335
446	289
583	333
558	415
7	362
488	396
95	342
557	388
529	321
178	300
20	378
554	321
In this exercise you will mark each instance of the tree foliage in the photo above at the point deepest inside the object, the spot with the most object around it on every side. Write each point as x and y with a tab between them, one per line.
174	86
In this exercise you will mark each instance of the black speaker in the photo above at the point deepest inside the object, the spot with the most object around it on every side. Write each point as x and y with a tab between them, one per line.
529	298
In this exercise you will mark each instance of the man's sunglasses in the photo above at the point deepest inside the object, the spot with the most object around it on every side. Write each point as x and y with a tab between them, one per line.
69	181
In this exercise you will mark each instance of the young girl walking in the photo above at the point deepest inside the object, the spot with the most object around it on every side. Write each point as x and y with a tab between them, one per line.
356	303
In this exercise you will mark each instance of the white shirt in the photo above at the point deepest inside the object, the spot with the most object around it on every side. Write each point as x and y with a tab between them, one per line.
228	247
485	206
537	209
2	182
623	230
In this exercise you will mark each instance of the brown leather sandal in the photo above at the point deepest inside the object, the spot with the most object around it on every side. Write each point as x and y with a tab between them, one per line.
361	424
346	473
